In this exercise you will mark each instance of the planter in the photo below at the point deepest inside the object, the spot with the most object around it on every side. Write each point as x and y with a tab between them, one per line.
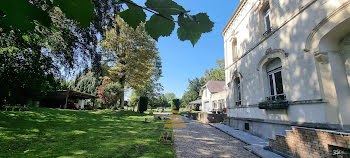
274	105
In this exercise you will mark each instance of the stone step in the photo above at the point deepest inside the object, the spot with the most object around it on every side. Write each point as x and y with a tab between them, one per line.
255	144
257	150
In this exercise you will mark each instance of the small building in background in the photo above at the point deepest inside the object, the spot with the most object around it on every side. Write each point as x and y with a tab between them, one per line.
213	97
67	99
196	105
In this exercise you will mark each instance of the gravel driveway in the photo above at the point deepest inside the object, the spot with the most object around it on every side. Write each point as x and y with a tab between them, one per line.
201	140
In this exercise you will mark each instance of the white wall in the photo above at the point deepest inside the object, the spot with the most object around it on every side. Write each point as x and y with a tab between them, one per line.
300	77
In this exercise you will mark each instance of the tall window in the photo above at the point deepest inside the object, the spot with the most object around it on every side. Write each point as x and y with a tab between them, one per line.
274	74
267	19
234	49
238	97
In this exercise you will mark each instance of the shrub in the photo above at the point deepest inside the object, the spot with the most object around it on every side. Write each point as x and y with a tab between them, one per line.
143	102
175	104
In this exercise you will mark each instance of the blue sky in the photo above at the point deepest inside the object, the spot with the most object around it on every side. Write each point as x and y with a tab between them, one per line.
180	60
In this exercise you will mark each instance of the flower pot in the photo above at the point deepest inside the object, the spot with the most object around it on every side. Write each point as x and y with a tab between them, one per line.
274	105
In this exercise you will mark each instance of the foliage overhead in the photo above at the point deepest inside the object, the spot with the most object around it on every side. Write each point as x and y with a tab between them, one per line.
23	14
134	15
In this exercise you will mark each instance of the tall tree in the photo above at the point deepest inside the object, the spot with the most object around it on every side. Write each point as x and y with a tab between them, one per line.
217	73
87	83
161	101
109	92
169	96
31	60
192	93
131	52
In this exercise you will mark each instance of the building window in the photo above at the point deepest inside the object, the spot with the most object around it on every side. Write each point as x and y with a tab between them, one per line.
274	77
238	96
234	49
267	19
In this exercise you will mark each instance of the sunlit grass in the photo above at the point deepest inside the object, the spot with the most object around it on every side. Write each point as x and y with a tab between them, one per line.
44	132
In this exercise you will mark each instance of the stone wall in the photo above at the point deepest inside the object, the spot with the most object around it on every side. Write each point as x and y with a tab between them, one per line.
207	118
266	129
309	142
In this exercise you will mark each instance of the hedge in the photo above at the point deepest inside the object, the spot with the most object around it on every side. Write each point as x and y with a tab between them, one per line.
175	104
143	102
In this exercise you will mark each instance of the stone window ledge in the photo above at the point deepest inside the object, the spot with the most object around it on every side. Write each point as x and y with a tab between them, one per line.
291	103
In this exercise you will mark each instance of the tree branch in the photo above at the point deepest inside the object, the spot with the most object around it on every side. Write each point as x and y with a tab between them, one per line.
150	10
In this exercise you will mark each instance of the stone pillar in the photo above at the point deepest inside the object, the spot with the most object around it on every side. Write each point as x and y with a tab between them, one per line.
327	87
341	84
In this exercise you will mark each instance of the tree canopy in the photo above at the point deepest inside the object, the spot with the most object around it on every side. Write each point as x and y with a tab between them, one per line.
192	93
132	54
217	73
23	14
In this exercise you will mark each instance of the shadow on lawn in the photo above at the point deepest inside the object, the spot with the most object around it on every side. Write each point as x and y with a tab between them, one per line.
45	132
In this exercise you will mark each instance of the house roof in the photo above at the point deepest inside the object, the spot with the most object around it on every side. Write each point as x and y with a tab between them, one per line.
196	102
215	86
77	94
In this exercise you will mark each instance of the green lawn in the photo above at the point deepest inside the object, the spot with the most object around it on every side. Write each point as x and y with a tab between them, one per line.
44	132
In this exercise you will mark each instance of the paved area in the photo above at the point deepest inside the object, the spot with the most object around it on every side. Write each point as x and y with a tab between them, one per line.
241	135
205	141
255	144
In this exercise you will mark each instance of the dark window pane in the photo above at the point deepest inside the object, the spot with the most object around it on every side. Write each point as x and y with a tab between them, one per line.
278	80
239	92
238	89
271	85
267	19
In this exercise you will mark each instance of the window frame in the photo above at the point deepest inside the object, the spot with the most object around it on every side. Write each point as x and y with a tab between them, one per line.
275	96
266	13
238	94
234	46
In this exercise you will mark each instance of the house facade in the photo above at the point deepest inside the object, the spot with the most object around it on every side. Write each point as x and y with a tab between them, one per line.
287	64
213	97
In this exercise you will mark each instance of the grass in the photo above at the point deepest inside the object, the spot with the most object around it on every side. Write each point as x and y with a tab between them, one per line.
44	132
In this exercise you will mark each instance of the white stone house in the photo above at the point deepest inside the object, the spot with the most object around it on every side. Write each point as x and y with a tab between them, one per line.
287	64
213	96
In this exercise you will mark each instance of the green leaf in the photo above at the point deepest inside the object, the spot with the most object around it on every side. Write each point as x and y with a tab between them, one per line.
26	38
188	35
133	16
157	26
165	7
191	28
20	14
79	10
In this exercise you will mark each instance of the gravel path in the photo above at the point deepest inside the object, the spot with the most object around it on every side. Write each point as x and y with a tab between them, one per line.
201	140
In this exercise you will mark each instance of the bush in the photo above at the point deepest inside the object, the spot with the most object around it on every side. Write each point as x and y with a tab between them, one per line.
175	104
143	102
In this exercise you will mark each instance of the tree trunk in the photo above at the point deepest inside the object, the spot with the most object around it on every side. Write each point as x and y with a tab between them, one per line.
122	82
